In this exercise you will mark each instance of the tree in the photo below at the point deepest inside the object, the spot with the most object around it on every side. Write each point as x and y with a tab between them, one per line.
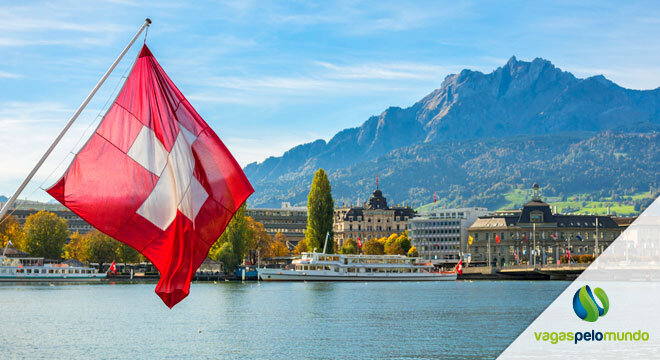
225	254
349	247
280	237
101	248
404	241
394	248
126	254
237	235
320	213
45	235
260	241
300	248
10	229
76	248
279	247
373	247
396	244
390	239
413	252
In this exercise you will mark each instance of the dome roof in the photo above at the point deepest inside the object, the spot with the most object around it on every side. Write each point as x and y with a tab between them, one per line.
377	201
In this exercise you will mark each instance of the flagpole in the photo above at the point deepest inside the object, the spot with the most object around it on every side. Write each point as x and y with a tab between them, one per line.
534	240
73	118
597	250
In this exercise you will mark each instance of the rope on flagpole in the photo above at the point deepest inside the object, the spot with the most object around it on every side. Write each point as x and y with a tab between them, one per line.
68	125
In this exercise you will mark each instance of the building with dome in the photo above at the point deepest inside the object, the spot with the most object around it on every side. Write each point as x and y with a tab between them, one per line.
374	219
536	235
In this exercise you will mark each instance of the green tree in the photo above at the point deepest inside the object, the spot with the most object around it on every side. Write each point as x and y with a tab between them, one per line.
126	254
101	248
320	213
45	235
10	229
349	247
373	247
225	254
238	235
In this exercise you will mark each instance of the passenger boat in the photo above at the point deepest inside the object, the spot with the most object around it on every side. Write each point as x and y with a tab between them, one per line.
338	267
34	269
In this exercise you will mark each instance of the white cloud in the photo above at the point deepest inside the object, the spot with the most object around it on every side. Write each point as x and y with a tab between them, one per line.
28	128
248	150
400	71
8	75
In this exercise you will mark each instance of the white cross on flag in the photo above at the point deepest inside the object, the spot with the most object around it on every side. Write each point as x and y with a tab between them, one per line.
156	177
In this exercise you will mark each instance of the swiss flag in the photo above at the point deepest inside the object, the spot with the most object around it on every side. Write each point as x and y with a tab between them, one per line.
359	243
459	267
525	237
113	268
156	177
497	239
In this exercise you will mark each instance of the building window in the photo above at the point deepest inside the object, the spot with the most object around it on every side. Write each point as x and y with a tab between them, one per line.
536	216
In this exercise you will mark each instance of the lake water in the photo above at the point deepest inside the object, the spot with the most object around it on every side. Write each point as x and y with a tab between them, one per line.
233	320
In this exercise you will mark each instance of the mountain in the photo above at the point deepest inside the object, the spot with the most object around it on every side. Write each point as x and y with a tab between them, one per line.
470	115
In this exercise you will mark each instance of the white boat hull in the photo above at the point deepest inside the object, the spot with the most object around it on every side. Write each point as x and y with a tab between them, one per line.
315	275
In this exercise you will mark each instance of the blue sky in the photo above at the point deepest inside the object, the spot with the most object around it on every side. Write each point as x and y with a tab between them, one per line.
270	75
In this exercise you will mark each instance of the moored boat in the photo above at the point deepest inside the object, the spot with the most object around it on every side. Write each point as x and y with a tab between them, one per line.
34	269
341	267
246	273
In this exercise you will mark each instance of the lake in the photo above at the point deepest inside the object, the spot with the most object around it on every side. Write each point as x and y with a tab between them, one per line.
233	320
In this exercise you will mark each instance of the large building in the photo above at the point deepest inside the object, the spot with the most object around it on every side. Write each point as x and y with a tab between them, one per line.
25	208
374	219
535	235
290	221
441	236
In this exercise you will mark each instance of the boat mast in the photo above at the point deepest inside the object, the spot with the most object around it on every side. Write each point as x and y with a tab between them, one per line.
327	235
73	118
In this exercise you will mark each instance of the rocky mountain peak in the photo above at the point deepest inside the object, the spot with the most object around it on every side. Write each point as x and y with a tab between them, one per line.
518	98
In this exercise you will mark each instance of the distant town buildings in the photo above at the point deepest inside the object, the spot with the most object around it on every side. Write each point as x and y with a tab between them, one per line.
536	235
374	219
289	220
23	209
441	236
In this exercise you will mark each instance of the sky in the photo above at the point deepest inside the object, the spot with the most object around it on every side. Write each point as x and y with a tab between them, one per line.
269	75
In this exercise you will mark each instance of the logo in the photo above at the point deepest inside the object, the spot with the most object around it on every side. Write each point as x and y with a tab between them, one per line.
585	305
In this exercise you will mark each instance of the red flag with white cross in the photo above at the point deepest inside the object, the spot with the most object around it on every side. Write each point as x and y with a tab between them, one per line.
113	268
156	177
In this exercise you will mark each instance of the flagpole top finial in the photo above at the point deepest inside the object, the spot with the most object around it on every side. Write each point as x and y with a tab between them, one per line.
148	21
